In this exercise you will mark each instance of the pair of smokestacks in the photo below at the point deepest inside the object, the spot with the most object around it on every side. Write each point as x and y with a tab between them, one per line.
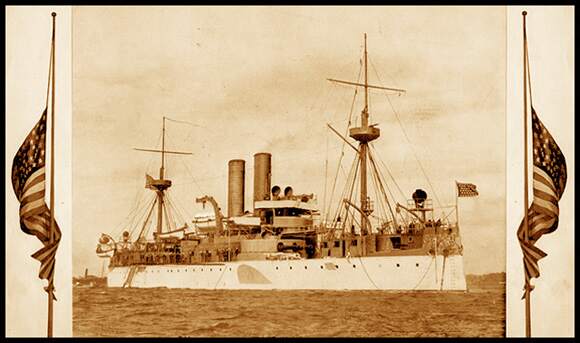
236	182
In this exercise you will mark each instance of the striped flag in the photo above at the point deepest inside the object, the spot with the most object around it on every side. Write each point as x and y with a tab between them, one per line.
28	181
466	190
549	181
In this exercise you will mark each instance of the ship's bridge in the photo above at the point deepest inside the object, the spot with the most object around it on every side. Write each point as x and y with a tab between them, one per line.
288	212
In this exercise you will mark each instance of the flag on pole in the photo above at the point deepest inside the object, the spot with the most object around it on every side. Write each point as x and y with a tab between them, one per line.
549	181
28	181
466	190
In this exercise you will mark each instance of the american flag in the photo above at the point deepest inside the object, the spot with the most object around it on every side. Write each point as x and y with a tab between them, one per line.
28	181
466	190
549	181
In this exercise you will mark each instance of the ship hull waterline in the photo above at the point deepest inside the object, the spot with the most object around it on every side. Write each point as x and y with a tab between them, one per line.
396	273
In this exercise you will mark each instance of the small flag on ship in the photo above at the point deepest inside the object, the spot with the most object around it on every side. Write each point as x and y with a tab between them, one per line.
466	190
549	181
28	181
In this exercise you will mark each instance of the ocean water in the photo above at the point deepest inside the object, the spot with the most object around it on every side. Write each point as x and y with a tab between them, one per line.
161	312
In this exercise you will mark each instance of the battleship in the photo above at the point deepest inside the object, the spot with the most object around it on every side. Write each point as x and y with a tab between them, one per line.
284	240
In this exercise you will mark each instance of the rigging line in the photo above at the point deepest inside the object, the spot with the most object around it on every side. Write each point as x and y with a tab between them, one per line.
392	177
378	175
325	174
381	205
141	207
179	208
352	188
377	179
178	212
164	206
351	178
379	183
140	194
152	206
344	143
128	222
337	213
388	171
146	225
140	217
367	273
408	139
426	272
123	222
181	159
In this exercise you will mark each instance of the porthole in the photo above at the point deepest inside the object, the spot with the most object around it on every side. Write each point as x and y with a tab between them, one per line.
276	268
416	264
290	267
305	267
321	267
398	265
220	269
354	266
230	269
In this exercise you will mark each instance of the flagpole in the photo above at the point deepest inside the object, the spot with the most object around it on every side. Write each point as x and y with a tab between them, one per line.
51	281
526	224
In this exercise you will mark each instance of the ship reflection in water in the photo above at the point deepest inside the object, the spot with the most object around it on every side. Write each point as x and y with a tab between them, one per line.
121	312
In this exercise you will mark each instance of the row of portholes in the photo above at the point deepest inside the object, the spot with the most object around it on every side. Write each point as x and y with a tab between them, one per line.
193	270
305	267
354	266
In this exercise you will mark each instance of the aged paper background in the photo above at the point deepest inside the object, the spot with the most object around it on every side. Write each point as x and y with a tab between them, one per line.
551	53
550	32
28	34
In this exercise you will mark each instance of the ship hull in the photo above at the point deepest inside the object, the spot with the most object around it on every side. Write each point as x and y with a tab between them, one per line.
397	273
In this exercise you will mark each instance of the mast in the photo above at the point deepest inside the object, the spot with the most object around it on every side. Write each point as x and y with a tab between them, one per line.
160	185
363	151
161	191
364	134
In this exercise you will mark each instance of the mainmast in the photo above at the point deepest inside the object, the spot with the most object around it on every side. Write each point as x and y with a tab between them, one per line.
364	134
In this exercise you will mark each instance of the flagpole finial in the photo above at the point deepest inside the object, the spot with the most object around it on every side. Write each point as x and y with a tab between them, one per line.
524	13
54	14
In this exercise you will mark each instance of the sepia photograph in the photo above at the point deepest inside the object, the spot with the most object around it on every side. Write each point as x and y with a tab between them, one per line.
281	171
296	166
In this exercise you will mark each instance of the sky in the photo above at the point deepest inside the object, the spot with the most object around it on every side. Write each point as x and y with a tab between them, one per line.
253	79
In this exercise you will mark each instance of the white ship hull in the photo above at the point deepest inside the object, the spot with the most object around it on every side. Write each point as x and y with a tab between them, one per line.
397	273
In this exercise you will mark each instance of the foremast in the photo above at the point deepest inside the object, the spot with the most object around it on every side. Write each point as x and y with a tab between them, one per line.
160	185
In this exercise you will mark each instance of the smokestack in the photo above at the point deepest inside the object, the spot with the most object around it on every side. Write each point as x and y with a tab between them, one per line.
236	186
262	176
